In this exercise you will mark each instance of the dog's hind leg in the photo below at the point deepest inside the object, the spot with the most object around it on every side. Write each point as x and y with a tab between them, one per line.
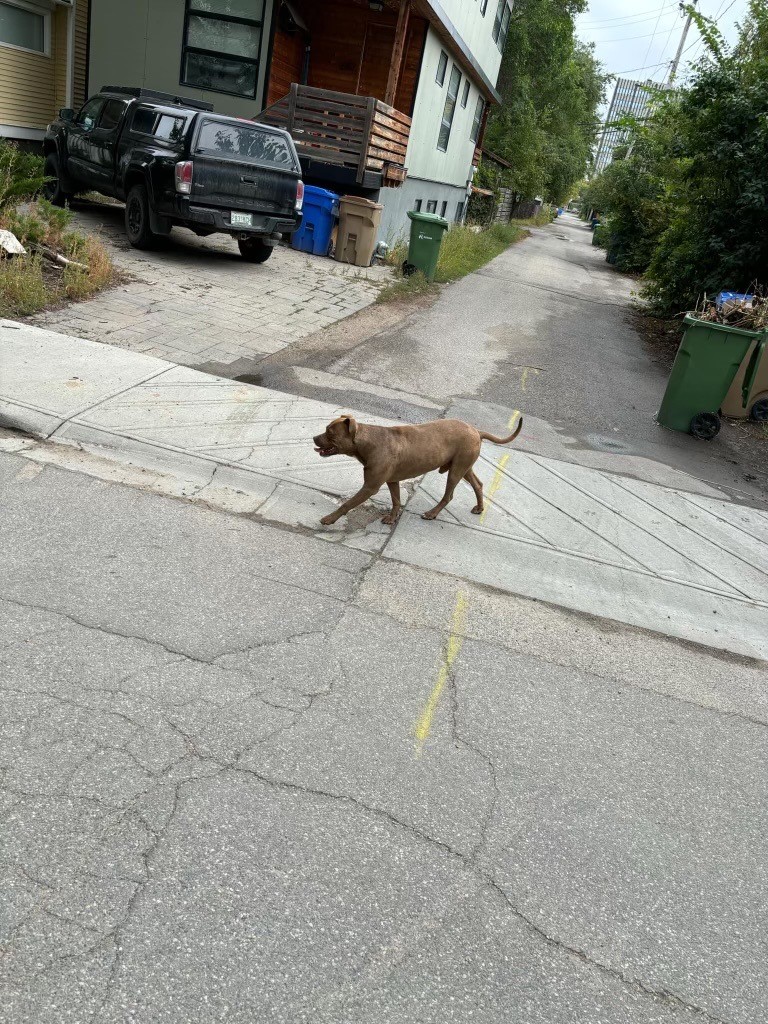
477	486
391	517
454	475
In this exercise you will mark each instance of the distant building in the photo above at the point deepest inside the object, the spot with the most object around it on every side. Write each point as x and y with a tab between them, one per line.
629	97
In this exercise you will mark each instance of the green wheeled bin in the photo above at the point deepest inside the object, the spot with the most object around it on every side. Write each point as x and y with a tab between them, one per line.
706	363
427	230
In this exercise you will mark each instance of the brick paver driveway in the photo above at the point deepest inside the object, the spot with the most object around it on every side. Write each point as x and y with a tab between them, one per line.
196	302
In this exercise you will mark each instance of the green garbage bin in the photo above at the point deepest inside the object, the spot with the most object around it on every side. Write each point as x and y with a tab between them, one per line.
427	230
706	363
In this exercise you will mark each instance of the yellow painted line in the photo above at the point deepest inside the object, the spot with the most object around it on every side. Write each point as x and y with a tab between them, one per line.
498	476
451	652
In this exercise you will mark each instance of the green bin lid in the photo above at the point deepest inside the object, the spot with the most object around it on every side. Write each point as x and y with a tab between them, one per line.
693	321
430	218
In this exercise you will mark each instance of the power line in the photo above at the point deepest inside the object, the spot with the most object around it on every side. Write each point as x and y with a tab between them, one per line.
655	30
642	15
629	24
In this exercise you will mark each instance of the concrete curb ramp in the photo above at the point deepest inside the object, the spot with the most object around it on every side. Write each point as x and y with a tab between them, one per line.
685	565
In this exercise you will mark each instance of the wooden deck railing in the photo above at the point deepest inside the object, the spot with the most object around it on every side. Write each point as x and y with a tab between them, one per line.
358	132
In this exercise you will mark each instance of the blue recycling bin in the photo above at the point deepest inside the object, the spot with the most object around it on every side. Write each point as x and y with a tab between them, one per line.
320	211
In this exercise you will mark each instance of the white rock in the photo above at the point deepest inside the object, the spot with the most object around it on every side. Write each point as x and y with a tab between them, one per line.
10	244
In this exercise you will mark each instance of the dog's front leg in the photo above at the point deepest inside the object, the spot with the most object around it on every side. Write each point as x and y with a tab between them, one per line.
367	491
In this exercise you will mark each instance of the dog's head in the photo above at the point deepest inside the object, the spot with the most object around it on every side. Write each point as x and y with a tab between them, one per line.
338	438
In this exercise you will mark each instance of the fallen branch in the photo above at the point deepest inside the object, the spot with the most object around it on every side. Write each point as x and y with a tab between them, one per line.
55	257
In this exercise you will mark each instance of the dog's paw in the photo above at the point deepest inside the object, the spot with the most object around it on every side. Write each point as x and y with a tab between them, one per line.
429	515
390	519
477	510
328	520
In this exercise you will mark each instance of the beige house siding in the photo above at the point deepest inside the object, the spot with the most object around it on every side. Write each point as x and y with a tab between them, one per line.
81	53
33	86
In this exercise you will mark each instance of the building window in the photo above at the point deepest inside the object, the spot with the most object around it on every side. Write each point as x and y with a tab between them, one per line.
459	212
483	7
443	207
477	120
465	93
222	40
417	206
442	64
501	24
432	206
449	109
24	28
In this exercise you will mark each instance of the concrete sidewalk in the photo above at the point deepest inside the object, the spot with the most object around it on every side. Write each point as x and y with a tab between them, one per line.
685	564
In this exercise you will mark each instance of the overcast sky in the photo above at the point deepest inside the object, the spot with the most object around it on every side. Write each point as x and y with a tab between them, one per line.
638	38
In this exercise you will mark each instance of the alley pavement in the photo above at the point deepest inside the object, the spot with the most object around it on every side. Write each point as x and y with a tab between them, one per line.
248	775
506	769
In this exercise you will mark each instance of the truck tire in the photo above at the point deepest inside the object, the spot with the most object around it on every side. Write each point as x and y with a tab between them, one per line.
255	250
52	189
137	227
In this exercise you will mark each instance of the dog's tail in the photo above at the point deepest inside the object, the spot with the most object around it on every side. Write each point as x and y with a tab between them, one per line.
503	440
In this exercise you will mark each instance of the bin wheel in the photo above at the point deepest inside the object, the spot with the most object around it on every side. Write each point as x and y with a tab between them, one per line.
408	269
705	425
759	410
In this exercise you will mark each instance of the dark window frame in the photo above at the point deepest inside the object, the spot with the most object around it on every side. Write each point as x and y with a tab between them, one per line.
465	94
443	207
442	67
501	24
417	206
459	212
446	123
254	62
433	204
477	120
483	7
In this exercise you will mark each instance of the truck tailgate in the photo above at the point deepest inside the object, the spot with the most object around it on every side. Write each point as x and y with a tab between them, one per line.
243	166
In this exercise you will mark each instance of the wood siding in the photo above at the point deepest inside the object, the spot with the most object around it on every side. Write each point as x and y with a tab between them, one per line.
360	133
33	86
350	51
81	54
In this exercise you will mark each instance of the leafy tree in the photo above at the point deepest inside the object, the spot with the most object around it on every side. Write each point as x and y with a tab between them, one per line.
21	174
686	202
551	86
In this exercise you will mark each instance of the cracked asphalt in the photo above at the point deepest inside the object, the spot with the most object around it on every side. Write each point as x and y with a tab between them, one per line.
215	807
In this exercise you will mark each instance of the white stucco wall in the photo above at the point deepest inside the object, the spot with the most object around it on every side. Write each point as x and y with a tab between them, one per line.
475	29
139	44
424	159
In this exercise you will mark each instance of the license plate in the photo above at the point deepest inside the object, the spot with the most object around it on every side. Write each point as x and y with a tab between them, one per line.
241	220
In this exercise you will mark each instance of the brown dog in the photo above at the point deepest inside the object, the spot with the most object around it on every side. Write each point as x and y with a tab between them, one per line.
392	454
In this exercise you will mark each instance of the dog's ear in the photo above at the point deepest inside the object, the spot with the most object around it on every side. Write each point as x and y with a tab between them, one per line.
351	423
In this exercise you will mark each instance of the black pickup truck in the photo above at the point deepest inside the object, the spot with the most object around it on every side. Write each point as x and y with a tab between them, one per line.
174	161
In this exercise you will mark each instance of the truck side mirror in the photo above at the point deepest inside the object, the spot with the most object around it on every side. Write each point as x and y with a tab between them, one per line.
67	114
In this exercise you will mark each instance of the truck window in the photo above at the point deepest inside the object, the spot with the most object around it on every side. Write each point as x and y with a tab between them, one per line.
245	143
143	120
170	128
89	113
111	114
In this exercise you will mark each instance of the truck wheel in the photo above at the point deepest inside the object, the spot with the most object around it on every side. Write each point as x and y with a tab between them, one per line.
52	189
137	218
255	250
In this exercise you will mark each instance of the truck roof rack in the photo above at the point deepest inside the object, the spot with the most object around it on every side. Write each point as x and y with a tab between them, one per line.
152	94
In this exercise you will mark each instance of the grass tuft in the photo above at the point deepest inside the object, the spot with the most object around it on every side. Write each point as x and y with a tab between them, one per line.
463	250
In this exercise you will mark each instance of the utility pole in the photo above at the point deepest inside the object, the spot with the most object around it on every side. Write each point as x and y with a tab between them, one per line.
676	62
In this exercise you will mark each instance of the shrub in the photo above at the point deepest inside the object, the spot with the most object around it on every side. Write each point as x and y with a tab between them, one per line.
21	175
